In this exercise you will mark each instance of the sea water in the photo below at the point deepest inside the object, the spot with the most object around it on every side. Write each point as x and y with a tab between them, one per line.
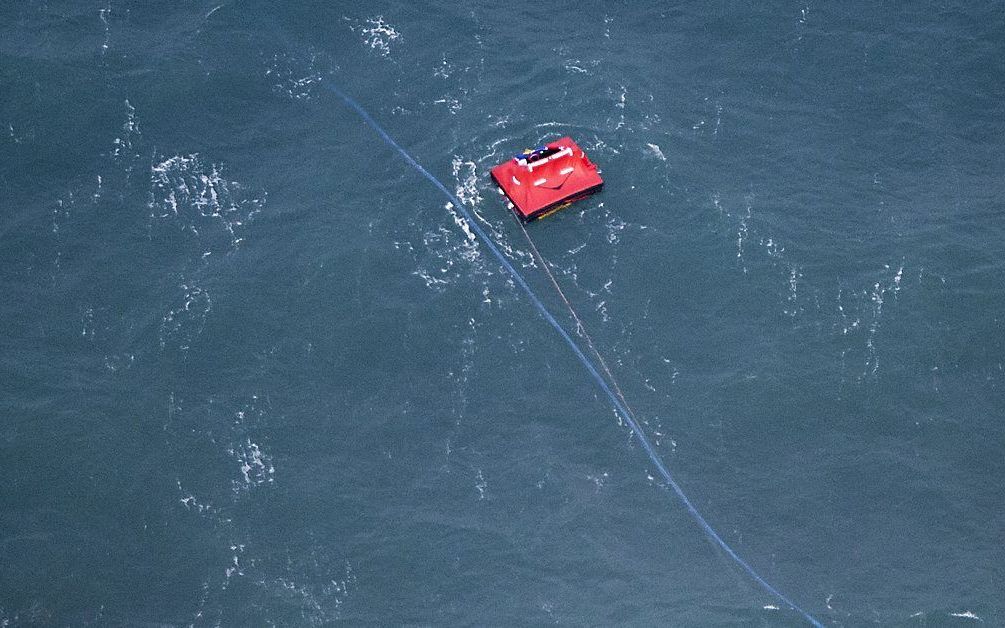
256	370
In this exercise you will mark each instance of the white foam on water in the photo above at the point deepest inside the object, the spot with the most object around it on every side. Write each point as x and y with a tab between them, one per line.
717	203
466	174
793	300
339	588
190	502
199	199
119	362
598	479
481	485
431	281
377	34
234	568
741	236
773	248
295	77
768	249
467	248
103	16
87	323
966	615
861	312
622	98
580	66
620	103
896	280
130	128
602	309
122	154
712	111
445	69
453	104
255	466
614	226
319	604
654	149
313	583
184	322
467	368
847	324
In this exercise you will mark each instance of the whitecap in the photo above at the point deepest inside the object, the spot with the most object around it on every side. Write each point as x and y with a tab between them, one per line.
198	198
378	35
184	322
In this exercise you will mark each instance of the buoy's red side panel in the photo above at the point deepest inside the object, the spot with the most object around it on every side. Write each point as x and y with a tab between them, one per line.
536	188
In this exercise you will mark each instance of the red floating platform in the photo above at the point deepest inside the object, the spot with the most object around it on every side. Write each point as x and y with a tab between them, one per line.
547	178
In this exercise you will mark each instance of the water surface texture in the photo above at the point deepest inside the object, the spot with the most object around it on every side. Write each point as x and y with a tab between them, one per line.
255	369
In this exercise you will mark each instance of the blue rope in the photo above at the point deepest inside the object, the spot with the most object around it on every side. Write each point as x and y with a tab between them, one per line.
518	278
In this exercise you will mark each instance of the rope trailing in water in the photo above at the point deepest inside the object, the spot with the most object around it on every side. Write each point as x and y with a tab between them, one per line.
587	363
580	327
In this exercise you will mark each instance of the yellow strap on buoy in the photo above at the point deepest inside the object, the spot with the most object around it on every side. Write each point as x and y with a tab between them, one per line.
553	210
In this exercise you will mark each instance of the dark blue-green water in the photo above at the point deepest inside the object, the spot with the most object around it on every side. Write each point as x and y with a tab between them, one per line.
254	371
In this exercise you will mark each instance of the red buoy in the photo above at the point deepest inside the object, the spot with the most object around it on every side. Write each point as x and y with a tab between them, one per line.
547	178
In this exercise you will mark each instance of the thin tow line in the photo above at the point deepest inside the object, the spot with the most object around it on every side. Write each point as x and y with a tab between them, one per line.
580	326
